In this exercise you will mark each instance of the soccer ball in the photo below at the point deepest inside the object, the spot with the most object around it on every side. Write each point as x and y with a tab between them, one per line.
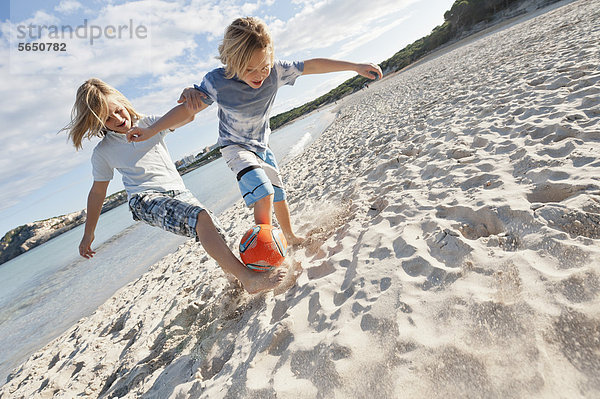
263	247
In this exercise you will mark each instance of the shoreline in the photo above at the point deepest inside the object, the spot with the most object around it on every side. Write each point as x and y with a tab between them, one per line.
453	223
26	237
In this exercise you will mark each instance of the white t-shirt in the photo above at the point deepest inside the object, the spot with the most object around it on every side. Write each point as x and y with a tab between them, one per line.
146	165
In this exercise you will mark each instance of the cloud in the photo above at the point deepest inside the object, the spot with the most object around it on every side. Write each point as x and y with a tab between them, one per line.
370	35
41	161
68	6
323	24
39	89
32	153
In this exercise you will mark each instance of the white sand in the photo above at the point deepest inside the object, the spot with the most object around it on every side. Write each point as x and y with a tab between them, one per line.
454	220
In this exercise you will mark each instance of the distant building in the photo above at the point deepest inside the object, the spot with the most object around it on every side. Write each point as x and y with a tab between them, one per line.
190	159
185	161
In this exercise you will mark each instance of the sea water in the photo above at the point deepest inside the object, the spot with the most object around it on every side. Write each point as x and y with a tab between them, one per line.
46	290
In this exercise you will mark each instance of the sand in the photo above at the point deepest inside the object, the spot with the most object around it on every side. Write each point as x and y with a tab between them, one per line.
453	216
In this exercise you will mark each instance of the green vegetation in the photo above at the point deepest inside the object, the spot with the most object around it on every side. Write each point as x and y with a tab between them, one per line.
462	16
14	234
466	13
209	156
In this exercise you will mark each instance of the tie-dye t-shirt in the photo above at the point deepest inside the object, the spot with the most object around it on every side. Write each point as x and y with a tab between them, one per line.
244	111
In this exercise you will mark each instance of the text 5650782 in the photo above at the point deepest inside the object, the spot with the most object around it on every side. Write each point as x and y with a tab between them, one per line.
42	46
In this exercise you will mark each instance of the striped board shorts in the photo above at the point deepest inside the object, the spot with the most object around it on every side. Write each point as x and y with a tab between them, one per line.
173	211
257	173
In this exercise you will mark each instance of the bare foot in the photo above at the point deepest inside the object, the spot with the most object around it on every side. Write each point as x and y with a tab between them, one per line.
255	282
295	240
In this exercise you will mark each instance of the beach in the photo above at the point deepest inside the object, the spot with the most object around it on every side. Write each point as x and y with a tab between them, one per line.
453	221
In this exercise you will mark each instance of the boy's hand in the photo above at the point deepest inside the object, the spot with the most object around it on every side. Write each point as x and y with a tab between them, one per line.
138	134
371	71
85	249
192	99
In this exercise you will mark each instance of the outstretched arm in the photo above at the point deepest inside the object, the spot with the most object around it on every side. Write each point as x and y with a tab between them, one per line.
178	116
325	65
94	208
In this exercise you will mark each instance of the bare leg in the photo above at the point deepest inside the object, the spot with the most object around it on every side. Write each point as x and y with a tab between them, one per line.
282	212
263	210
214	245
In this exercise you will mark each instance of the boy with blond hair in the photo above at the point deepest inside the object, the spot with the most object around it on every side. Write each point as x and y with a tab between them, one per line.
156	192
245	90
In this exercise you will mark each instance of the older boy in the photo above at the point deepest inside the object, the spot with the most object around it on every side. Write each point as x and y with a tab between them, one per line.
245	90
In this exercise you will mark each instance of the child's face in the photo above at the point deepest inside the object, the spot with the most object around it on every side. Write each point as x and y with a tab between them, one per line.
258	69
118	120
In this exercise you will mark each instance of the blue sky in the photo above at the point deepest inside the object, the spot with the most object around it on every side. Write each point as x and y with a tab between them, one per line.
41	174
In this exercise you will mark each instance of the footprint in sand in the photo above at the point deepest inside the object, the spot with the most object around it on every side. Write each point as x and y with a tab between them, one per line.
318	366
554	192
486	181
447	247
434	276
571	221
473	224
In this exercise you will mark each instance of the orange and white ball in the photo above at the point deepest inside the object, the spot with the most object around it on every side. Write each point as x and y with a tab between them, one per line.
263	247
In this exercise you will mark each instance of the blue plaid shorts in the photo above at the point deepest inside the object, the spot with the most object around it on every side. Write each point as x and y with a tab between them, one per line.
173	211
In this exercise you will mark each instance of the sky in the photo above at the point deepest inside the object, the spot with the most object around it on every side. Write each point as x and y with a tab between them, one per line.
151	50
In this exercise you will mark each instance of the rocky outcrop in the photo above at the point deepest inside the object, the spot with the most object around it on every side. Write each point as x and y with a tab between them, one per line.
28	236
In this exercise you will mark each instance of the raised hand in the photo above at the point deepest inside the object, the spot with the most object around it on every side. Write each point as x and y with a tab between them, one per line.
192	99
136	134
371	71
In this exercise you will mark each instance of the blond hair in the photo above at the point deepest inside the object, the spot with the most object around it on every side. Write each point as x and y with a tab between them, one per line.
242	38
91	110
